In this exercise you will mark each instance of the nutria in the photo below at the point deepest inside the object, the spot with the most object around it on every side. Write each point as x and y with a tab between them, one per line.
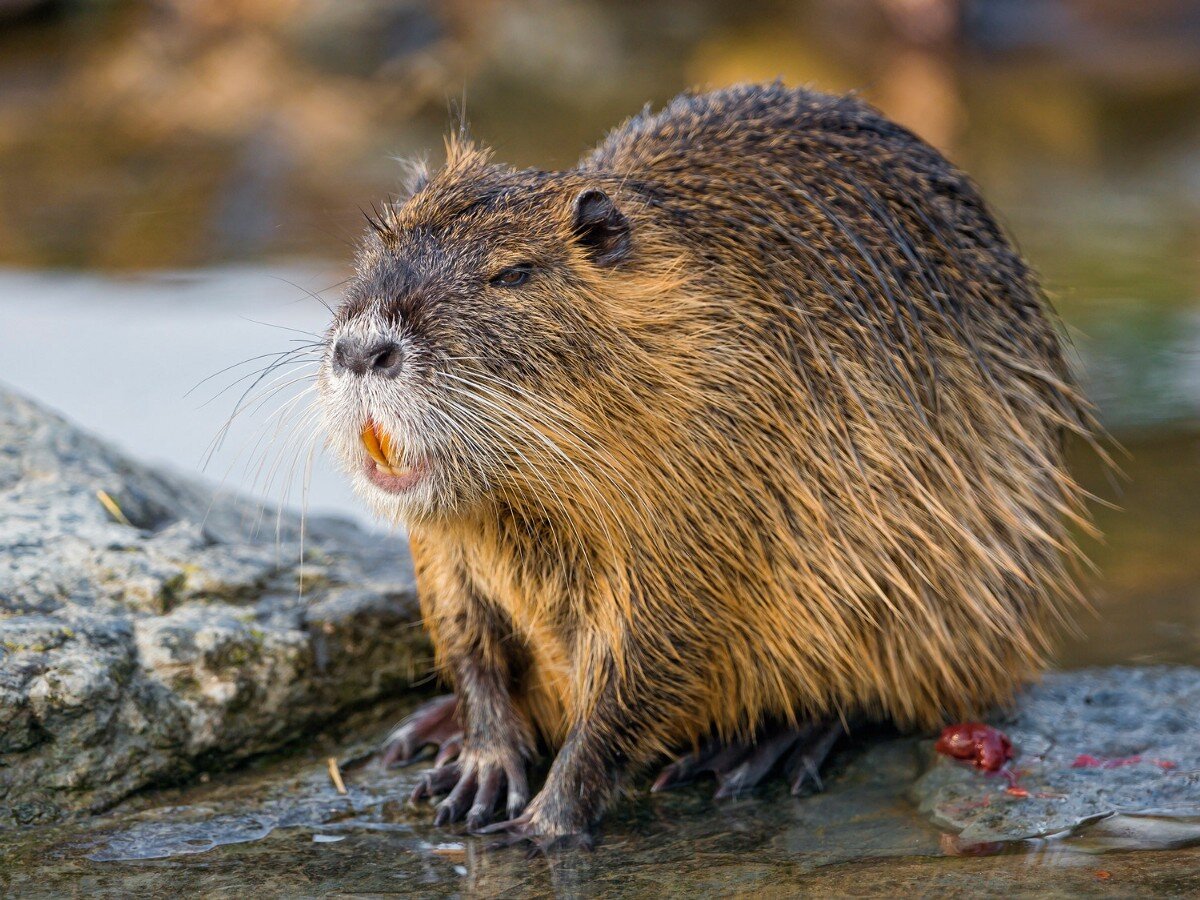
750	424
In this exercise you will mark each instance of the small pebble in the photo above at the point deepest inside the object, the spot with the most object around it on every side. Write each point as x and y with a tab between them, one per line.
328	838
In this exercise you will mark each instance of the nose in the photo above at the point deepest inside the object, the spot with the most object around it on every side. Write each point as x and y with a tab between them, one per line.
381	356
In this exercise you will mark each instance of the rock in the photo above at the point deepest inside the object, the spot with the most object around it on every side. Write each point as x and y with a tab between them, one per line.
141	643
1117	746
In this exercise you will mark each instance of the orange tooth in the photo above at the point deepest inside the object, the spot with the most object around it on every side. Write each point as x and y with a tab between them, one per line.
370	439
385	443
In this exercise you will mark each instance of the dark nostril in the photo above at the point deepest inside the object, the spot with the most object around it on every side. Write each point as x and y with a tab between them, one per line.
339	355
381	356
386	358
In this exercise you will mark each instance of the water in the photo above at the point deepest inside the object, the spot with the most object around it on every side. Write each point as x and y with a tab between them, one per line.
159	363
282	825
174	176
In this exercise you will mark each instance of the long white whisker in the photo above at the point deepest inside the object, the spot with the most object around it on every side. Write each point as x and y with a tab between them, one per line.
250	406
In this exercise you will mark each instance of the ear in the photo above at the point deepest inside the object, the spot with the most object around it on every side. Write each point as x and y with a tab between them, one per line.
600	227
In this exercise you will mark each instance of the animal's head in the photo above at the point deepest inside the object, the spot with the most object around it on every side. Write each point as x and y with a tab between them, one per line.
478	343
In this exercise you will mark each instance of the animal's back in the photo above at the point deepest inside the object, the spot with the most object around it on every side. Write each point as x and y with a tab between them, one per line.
768	170
885	408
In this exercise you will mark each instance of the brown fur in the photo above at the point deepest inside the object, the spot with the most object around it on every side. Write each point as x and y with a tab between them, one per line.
796	453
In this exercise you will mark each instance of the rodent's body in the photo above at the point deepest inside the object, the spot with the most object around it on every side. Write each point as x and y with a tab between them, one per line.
807	433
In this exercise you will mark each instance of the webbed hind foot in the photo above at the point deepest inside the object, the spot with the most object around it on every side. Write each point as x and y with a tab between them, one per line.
739	766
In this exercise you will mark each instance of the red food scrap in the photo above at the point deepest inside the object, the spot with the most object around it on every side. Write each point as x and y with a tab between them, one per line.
981	745
1087	761
1015	791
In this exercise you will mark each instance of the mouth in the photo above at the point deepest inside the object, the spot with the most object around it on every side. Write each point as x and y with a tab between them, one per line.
383	465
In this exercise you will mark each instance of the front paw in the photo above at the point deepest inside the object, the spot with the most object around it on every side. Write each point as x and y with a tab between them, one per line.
473	784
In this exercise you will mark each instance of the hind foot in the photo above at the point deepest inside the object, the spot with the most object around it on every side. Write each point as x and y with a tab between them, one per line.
435	722
740	765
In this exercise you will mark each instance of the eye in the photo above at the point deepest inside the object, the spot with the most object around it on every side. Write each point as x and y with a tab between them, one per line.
513	276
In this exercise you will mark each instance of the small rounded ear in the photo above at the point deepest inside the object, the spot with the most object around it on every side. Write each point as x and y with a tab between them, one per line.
600	227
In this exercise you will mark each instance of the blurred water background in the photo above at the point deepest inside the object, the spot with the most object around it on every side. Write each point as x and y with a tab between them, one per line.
181	184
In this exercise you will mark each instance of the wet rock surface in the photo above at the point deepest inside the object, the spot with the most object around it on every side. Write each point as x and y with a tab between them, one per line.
149	628
1090	746
283	826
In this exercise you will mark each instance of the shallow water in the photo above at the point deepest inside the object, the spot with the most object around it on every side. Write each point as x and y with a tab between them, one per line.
283	826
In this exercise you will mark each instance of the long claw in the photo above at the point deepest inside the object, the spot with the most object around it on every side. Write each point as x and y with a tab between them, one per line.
485	799
449	750
683	771
435	782
518	827
670	776
809	773
518	790
760	762
804	766
452	808
523	829
394	752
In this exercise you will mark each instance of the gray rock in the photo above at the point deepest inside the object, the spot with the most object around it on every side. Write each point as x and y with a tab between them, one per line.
135	652
1119	746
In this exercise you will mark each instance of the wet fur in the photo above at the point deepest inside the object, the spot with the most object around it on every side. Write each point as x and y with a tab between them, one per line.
797	454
